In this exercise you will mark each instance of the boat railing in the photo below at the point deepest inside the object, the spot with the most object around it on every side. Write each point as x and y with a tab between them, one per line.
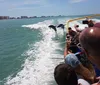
80	18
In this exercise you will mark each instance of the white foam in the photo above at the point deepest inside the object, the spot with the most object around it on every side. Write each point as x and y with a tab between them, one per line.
38	25
81	26
96	20
39	66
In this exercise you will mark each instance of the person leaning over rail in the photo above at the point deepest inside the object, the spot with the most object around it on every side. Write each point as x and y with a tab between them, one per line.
71	32
72	59
91	23
65	75
90	41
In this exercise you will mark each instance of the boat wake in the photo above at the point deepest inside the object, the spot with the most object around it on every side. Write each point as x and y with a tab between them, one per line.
42	58
39	65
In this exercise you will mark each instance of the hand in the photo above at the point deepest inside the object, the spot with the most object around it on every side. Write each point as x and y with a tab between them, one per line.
68	43
97	81
98	78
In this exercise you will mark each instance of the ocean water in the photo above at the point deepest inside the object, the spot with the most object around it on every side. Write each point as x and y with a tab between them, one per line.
29	50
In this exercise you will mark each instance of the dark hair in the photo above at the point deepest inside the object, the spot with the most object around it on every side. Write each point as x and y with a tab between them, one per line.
65	75
77	25
69	28
90	24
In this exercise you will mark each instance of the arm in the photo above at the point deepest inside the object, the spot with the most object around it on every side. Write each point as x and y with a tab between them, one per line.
85	73
66	51
91	69
73	61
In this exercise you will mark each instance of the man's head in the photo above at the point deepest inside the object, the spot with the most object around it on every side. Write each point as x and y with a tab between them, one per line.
91	23
65	75
97	24
90	41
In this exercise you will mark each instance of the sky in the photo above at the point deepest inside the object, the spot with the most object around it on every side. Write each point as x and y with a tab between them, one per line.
17	8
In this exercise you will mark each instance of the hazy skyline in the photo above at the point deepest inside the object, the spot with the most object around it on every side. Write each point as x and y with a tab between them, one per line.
48	7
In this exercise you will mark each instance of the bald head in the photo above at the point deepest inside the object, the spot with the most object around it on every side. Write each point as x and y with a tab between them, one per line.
90	41
97	24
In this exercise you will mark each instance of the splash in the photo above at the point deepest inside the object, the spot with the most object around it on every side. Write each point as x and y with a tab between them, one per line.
39	66
42	57
39	25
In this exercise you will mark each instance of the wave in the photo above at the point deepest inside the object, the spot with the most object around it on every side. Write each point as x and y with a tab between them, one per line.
81	26
42	56
38	25
38	67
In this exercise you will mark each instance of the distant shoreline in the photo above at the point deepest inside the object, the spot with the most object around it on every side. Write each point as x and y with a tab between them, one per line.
34	17
26	17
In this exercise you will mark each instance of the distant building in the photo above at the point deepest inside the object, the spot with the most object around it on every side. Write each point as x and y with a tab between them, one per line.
12	18
23	17
48	16
18	18
43	16
52	16
33	17
4	17
59	15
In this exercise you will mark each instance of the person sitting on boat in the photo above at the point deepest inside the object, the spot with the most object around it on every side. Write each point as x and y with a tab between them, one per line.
77	28
71	32
90	23
90	41
75	39
86	21
74	35
84	69
65	75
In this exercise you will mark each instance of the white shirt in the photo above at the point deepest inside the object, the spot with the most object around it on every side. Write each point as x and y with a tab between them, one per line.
83	82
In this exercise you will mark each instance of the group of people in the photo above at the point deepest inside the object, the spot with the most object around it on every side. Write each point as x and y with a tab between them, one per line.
82	57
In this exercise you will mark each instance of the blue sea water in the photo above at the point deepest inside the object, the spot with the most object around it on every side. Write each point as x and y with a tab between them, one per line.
29	50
